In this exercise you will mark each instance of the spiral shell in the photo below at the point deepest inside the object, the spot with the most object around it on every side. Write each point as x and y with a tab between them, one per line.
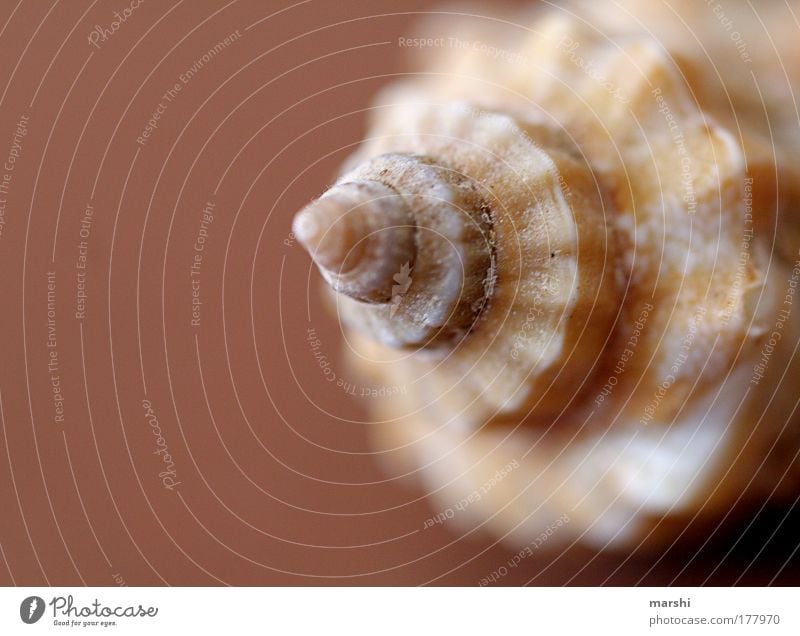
598	270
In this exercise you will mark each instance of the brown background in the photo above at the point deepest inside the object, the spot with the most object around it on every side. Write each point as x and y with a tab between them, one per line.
277	485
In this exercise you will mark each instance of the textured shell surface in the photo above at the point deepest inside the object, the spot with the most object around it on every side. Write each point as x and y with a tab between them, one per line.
597	256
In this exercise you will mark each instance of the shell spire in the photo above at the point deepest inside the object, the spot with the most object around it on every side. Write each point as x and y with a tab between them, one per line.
405	242
359	233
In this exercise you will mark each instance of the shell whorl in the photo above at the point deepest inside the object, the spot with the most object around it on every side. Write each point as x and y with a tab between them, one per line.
359	233
425	268
512	250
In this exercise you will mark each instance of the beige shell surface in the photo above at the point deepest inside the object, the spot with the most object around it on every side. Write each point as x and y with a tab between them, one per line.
679	230
551	266
640	264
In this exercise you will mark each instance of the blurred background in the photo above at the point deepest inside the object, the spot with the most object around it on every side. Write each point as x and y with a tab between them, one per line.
165	415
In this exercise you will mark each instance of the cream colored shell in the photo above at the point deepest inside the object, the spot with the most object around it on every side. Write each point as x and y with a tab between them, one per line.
605	261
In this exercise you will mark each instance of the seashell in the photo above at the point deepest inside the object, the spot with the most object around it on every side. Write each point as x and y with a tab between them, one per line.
581	264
